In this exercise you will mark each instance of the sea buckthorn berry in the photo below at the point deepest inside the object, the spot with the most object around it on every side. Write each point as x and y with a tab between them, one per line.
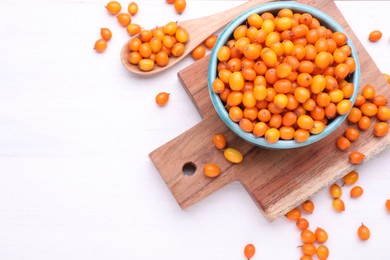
132	8
246	125
364	123
113	7
219	141
369	109
383	113
223	53
236	114
180	5
308	206
218	86
322	252
356	192
375	36
146	36
318	84
133	29
338	205
301	135
100	45
340	38
354	115
318	128
368	91
211	170
343	106
360	100
387	204
379	100
294	214
146	64
135	57
123	19
364	232
309	249
255	20
272	135
335	191
106	33
308	236
233	155
352	134
236	81
302	223
356	157
305	122
381	129
182	35
162	98
249	251
351	178
321	235
198	52
343	143
162	59
259	129
210	41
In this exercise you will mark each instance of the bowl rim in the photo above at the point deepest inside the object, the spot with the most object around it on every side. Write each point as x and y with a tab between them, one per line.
226	34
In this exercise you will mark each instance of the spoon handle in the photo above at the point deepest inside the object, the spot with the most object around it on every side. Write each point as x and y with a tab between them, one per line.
202	28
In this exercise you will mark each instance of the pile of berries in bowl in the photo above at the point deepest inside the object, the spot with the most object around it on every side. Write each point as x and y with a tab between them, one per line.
283	75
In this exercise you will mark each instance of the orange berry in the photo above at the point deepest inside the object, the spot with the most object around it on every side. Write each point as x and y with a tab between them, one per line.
309	249
294	214
356	157
162	98
105	33
364	232
249	251
219	141
198	52
100	45
322	252
381	129
210	41
123	19
302	223
308	206
308	236
335	191
180	5
343	143
211	170
321	235
356	192
375	36
113	7
233	155
387	204
351	178
352	134
132	8
338	205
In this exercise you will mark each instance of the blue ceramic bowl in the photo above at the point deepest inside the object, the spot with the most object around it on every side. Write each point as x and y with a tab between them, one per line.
226	35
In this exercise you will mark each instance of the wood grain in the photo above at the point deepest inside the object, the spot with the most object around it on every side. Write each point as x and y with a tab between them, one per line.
277	180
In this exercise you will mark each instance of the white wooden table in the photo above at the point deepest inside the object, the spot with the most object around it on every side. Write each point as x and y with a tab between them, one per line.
76	128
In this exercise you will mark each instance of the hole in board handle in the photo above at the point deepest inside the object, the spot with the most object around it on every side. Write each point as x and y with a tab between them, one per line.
189	168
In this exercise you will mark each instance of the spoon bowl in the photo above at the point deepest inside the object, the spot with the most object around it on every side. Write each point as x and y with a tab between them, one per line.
198	29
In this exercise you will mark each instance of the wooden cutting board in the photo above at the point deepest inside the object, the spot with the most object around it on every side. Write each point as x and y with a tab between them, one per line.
277	180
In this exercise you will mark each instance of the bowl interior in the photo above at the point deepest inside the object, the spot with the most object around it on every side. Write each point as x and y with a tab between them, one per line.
226	35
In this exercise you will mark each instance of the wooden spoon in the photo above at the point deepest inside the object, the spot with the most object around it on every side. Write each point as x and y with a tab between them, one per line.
198	29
